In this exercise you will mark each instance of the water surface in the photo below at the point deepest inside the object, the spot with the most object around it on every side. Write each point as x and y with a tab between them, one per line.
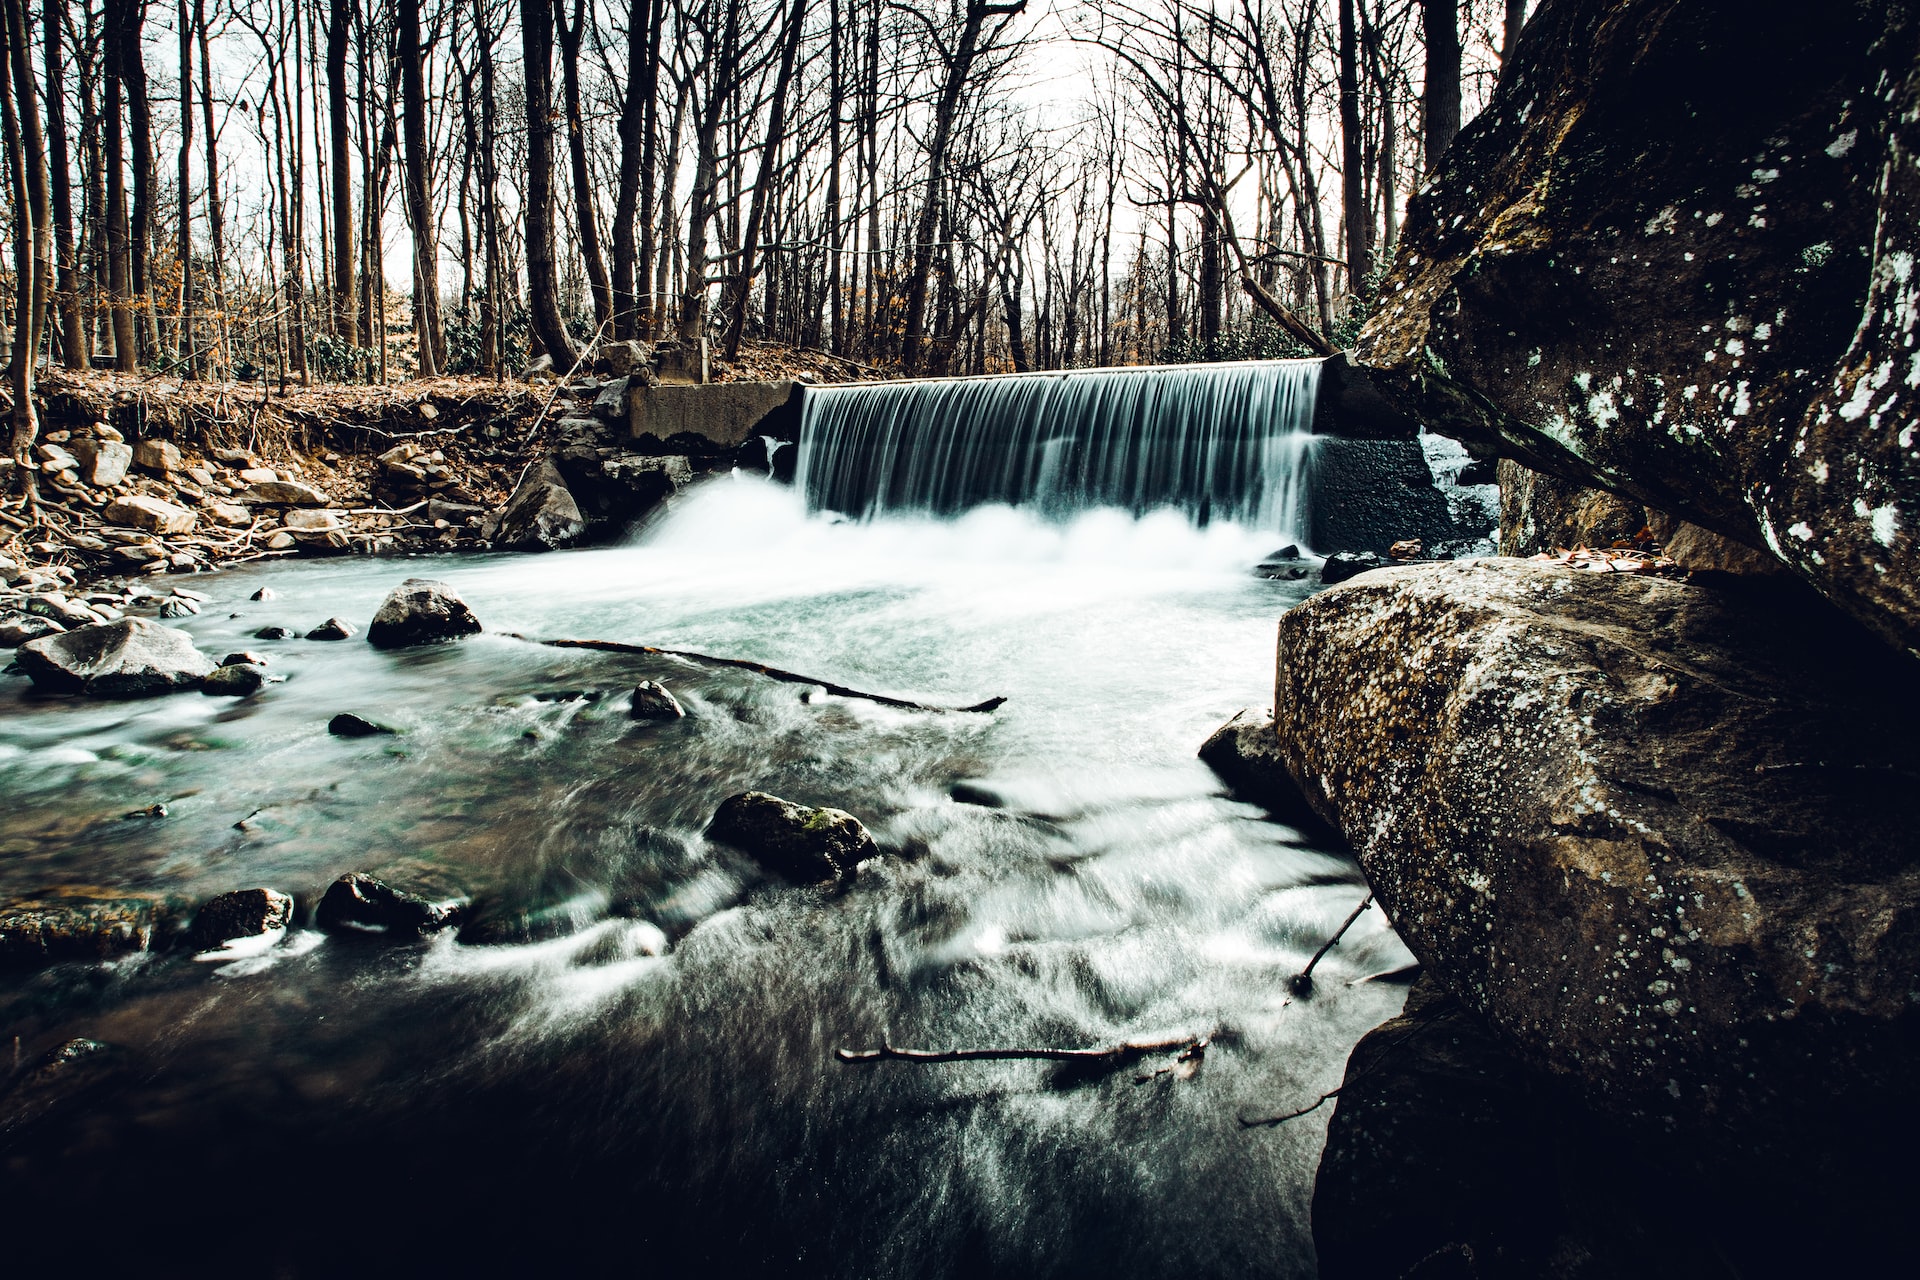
645	1078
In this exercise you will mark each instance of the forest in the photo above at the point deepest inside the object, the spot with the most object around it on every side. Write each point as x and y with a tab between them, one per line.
267	189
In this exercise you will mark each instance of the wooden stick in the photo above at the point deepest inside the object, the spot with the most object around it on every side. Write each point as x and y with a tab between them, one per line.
1187	1044
1301	983
761	668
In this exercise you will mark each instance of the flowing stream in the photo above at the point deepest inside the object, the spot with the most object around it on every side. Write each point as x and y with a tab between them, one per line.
637	1071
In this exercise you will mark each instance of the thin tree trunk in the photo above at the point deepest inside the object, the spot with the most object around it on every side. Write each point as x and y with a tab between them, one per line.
958	69
1353	195
345	325
216	216
33	240
119	251
585	224
73	323
183	335
133	17
763	181
536	43
421	213
635	111
1516	18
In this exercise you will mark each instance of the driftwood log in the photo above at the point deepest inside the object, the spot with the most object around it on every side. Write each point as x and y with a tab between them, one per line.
761	668
1189	1046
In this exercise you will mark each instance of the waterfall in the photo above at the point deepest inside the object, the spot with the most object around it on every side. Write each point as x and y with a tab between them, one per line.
1219	441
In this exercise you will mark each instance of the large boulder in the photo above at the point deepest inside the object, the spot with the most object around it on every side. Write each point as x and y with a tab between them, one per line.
420	611
541	515
155	515
127	658
1662	837
1728	336
804	844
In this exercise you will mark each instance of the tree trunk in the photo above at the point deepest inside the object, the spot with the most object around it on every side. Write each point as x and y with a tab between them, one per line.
536	44
585	224
641	86
742	288
421	213
1353	196
958	69
132	19
216	217
1440	22
345	325
119	261
33	240
1516	18
183	353
73	322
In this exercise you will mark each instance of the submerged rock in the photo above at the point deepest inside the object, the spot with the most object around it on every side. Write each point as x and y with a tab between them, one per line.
1342	565
47	930
357	903
1659	836
128	658
803	844
1245	752
244	913
68	1074
274	633
420	611
541	515
348	725
652	701
332	629
234	680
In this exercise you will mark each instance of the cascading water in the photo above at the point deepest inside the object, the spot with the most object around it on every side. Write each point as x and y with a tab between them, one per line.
1218	442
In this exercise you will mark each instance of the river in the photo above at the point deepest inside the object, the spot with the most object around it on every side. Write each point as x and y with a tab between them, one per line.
642	1075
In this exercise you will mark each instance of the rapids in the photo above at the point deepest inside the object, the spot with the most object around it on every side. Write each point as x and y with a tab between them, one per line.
649	1082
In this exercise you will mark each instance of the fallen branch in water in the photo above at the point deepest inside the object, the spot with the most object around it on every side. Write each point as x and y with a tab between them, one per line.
1353	1077
760	668
1190	1046
1301	983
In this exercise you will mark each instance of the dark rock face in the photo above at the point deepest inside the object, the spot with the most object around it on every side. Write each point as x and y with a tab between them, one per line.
652	701
613	485
1661	837
1446	1156
420	611
274	633
244	913
357	903
67	1076
1370	494
55	928
803	844
1726	337
128	658
1342	565
18	628
541	515
331	629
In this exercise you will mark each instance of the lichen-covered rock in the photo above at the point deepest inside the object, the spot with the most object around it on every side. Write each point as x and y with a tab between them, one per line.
1728	337
1245	752
420	611
244	913
804	844
56	927
1663	837
541	515
126	658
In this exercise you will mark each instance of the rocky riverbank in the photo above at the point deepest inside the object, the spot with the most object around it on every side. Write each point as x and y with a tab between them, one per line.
1652	837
